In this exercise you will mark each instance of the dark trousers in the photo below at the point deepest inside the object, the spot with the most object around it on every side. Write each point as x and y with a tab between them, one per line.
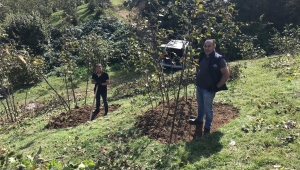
104	98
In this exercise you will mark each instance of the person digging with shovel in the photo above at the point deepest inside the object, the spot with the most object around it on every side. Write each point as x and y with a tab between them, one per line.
101	80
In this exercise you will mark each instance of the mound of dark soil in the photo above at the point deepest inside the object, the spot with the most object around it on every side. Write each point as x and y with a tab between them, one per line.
157	124
76	117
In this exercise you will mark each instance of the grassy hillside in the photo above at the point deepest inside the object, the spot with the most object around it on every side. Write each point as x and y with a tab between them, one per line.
117	2
264	136
83	14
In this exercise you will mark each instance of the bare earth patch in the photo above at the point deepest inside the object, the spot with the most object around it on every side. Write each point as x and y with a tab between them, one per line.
76	117
157	124
124	13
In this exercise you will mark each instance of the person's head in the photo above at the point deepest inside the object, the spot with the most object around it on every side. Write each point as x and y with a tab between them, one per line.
99	68
209	46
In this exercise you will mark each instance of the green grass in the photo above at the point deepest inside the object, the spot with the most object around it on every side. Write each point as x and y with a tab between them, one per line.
117	2
265	102
83	14
57	18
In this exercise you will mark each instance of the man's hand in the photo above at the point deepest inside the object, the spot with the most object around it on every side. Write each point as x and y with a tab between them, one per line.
99	83
213	89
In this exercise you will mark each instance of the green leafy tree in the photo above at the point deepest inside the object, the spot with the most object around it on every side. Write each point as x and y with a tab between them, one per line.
114	32
264	15
292	8
68	61
194	21
288	41
94	50
27	30
15	73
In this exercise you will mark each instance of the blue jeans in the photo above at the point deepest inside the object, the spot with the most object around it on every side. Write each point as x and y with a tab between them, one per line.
205	106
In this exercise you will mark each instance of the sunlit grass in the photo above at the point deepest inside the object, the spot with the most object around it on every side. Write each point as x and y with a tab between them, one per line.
83	14
56	18
116	2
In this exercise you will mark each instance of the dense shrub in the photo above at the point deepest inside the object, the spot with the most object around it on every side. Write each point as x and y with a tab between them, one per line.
44	7
23	76
28	30
99	12
288	41
3	11
236	71
13	71
72	19
92	5
113	31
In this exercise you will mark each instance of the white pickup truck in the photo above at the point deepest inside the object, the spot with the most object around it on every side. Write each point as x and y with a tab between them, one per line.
174	53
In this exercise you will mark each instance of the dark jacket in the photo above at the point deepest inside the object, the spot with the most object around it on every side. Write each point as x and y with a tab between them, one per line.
214	68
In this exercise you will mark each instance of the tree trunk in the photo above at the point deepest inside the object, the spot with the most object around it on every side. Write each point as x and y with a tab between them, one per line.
176	104
73	91
65	104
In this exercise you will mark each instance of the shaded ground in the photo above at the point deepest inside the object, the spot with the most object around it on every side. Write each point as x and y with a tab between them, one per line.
158	124
76	117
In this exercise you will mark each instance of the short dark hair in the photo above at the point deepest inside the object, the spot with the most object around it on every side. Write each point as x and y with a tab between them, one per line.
213	41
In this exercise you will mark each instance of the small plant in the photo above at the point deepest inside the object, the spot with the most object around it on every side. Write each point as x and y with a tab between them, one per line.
289	138
236	71
255	126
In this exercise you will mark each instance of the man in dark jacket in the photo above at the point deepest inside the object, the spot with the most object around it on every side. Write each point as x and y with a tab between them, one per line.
212	74
101	80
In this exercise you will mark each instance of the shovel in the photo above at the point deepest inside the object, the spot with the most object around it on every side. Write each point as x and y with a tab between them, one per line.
91	115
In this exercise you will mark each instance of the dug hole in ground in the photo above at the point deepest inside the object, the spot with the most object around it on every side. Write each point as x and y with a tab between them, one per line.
156	123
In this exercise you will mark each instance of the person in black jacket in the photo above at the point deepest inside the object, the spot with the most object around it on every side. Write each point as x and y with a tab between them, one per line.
212	74
101	80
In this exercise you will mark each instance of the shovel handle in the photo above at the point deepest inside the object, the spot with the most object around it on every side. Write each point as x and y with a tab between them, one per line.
93	103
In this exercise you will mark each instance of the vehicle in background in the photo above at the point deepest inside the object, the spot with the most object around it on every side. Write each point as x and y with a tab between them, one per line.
174	52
